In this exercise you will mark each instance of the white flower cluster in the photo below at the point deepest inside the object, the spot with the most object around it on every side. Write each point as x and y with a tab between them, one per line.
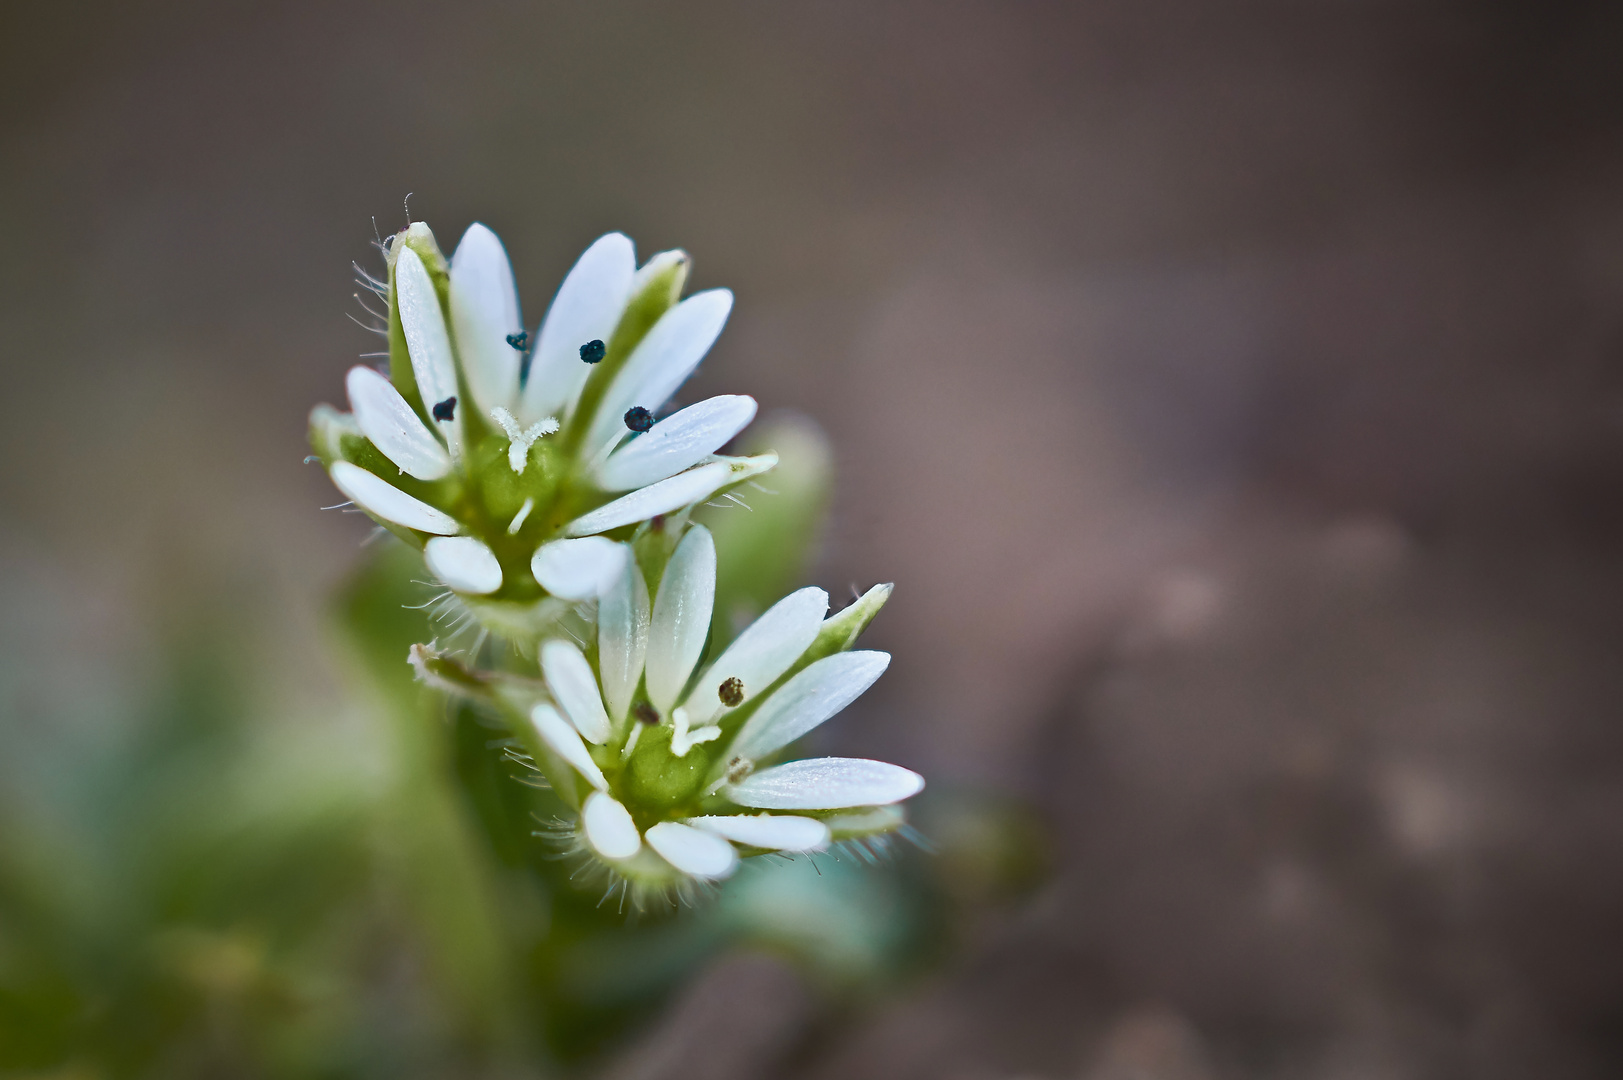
543	490
671	763
507	464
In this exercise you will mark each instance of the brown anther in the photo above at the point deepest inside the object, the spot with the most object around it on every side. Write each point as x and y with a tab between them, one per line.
731	692
645	713
738	768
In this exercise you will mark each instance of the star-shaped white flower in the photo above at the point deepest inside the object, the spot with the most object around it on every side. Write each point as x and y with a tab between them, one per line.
468	377
596	723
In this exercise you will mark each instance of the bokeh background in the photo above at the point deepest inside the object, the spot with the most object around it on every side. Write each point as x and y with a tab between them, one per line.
1235	392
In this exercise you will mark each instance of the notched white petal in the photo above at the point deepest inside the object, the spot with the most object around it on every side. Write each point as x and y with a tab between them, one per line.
574	687
760	654
588	306
609	828
676	442
683	489
565	741
622	639
808	699
582	569
681	619
781	832
826	784
428	343
393	426
484	311
693	851
376	495
463	563
661	362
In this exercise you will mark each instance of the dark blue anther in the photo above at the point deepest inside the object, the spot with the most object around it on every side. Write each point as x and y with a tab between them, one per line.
445	410
639	418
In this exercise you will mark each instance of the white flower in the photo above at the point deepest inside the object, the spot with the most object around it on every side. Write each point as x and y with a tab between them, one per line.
673	774
507	463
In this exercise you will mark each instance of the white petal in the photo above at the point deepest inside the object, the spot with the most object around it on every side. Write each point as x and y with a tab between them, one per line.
559	734
609	828
579	569
396	430
681	621
661	362
484	311
464	563
588	306
808	699
682	439
674	493
376	495
693	851
427	341
574	687
784	833
826	784
761	653
622	638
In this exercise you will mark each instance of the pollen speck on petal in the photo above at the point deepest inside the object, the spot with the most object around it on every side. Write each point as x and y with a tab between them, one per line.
808	699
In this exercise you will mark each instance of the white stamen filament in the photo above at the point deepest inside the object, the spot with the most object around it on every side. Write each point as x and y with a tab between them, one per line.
518	518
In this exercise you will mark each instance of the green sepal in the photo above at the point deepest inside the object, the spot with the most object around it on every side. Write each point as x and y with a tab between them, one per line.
653	544
523	623
661	284
328	426
444	672
854	824
841	630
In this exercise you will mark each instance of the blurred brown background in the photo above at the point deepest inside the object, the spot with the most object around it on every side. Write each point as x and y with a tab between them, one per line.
1233	390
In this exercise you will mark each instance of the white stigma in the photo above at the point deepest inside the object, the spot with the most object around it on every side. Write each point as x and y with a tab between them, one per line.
683	740
520	439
